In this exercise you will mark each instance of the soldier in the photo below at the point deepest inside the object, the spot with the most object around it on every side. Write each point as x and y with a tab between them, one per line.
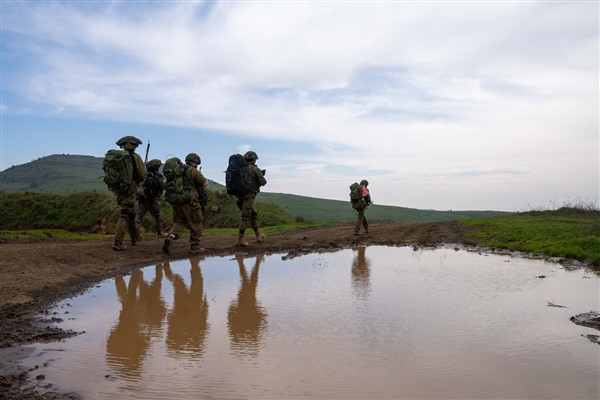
361	206
254	178
188	213
149	194
126	199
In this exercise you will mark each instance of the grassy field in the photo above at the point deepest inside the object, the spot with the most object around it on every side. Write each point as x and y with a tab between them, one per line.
567	232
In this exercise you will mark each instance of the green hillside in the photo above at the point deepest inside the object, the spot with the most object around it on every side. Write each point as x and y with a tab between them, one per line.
66	174
323	210
59	174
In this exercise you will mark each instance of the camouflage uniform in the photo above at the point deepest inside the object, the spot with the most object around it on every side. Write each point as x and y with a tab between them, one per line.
247	204
360	208
189	214
126	201
150	204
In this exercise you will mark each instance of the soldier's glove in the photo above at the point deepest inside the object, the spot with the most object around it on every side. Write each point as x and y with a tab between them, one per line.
264	171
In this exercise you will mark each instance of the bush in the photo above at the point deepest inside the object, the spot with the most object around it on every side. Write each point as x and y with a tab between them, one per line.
84	211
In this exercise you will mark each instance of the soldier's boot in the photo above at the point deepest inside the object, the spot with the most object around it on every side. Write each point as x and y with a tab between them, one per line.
240	241
196	249
118	245
133	230
259	236
167	243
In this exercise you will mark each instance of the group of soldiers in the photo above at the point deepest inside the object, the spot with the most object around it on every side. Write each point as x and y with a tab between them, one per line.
188	214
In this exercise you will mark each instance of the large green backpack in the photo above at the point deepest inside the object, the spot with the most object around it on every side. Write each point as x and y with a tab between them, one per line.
118	172
355	193
178	188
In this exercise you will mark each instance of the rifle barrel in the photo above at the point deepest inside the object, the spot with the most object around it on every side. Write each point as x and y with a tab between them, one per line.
147	151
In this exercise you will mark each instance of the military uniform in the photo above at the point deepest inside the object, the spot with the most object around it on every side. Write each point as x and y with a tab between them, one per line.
126	201
247	204
149	203
360	208
189	214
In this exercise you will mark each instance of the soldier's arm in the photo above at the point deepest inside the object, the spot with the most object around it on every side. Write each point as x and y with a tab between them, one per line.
260	178
139	173
198	178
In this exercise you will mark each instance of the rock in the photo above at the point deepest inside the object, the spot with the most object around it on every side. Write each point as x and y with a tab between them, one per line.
590	319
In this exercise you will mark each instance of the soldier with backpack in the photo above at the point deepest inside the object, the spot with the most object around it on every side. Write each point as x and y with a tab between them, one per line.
148	196
252	179
360	199
123	171
181	191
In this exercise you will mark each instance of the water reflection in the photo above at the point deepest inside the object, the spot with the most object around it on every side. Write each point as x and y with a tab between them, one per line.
140	319
188	320
247	320
361	274
433	324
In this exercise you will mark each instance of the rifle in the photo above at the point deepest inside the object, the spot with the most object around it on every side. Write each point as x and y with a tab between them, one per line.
202	198
147	151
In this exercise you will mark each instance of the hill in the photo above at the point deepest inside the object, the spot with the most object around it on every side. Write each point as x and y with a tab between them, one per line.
60	174
68	174
324	210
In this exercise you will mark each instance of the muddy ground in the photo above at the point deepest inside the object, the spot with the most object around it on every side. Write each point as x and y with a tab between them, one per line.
37	274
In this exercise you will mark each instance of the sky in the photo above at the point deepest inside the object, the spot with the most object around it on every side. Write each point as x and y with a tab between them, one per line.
446	105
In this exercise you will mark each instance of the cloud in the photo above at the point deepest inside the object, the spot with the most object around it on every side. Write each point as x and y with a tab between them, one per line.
445	89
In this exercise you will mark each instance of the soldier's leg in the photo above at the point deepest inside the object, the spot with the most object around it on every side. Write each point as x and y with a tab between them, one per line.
155	212
194	218
246	204
254	224
179	223
126	221
142	209
359	221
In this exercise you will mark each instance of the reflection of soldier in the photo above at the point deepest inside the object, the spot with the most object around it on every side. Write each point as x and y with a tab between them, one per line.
188	326
361	273
140	318
246	318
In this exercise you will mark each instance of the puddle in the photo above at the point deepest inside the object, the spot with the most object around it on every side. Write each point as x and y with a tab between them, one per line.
365	323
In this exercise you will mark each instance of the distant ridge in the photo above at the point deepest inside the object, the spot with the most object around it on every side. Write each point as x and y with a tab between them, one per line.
66	174
59	174
324	210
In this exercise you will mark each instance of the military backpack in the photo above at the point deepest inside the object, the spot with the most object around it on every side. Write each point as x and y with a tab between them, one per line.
153	188
179	188
356	195
118	172
235	176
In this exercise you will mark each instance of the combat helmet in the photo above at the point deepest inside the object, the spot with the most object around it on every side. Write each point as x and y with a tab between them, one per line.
153	165
250	156
364	182
193	157
129	139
